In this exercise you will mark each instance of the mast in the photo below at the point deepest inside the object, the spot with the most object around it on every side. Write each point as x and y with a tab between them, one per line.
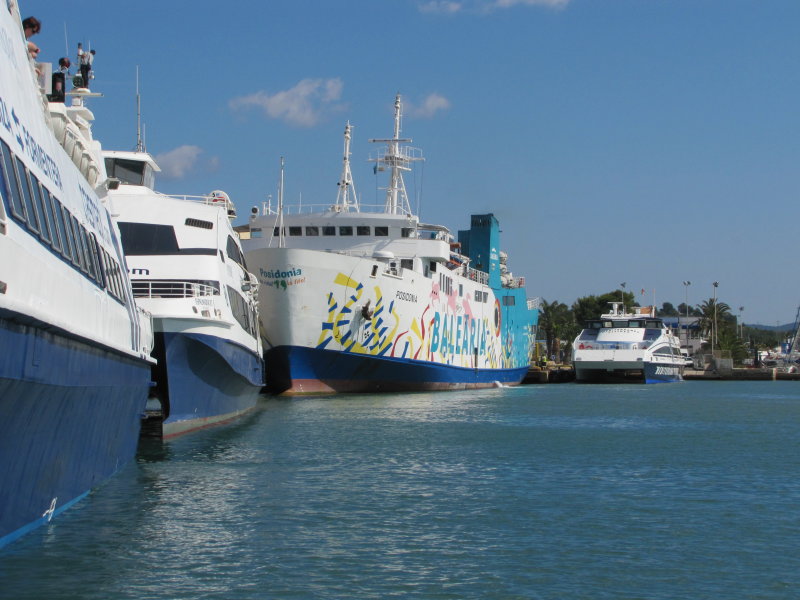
281	240
346	185
398	158
139	138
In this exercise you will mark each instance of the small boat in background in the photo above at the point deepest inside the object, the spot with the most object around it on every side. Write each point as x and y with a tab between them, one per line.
622	347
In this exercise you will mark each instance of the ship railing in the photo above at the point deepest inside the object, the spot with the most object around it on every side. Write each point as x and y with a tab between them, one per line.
475	275
534	303
146	288
303	209
595	345
514	282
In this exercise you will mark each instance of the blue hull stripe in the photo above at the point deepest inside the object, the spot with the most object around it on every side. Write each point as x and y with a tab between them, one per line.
207	378
69	419
342	371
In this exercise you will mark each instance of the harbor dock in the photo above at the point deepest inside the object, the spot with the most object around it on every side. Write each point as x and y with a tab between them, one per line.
566	374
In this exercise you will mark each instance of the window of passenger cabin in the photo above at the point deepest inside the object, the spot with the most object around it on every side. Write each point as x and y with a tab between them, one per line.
146	239
234	253
381	231
346	230
634	324
485	296
80	257
68	245
276	231
312	230
31	214
477	295
362	229
329	230
57	235
295	231
45	230
407	263
406	231
12	187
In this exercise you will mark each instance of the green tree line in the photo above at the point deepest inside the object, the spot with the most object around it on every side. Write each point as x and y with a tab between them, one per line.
559	324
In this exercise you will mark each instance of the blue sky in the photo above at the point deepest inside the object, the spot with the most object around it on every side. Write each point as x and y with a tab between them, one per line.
641	141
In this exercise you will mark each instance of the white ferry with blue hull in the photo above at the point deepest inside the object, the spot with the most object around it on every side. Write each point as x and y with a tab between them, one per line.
622	347
358	301
74	348
189	272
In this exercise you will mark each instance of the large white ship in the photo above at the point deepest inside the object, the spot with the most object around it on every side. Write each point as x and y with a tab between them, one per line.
188	271
354	301
622	347
74	348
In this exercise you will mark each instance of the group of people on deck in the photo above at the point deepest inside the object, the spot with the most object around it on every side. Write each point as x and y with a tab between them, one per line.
31	26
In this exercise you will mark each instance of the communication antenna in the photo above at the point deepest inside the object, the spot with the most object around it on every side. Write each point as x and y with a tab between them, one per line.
66	42
139	137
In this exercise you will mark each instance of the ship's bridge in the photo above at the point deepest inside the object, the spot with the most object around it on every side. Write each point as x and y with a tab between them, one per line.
131	168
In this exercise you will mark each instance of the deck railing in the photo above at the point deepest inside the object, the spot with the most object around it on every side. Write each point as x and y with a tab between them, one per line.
148	288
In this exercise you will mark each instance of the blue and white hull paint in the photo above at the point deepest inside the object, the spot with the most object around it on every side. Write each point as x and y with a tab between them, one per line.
69	419
622	347
316	371
75	366
204	380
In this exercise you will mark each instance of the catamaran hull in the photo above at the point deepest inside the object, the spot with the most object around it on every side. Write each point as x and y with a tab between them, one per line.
69	419
208	380
641	373
296	370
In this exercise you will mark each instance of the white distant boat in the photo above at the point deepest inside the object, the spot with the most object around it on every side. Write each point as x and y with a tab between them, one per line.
188	271
624	347
74	349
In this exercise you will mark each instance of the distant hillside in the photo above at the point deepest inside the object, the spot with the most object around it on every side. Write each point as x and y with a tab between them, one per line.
787	327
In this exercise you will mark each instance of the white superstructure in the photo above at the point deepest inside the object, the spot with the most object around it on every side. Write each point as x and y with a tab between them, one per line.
188	271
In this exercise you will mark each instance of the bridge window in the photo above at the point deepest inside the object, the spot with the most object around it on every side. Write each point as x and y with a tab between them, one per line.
381	231
362	230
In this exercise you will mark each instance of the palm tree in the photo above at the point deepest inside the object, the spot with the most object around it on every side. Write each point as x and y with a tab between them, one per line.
556	322
712	313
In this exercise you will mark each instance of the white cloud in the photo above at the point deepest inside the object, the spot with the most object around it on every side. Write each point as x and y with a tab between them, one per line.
429	107
178	162
483	6
303	105
510	3
441	6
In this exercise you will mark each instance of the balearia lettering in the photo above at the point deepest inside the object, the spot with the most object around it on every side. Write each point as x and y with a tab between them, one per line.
278	274
407	296
452	334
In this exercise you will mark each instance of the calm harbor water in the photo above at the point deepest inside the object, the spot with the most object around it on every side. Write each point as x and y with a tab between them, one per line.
687	490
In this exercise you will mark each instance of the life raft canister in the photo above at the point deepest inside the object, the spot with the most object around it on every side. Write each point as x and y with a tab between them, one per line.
219	197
